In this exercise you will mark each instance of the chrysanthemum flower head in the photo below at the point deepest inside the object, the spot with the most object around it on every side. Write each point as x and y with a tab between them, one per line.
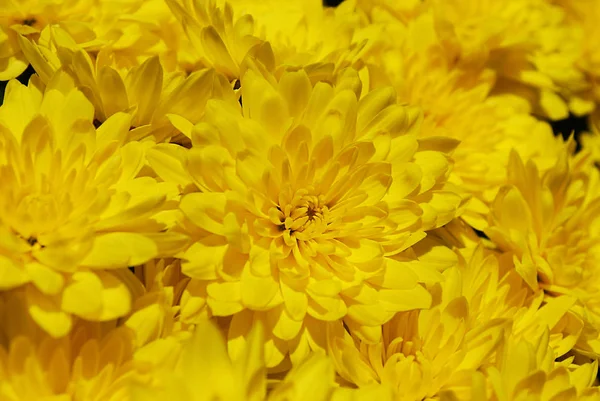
154	100
94	25
303	33
436	352
307	195
94	361
221	40
524	369
157	287
428	353
295	33
205	371
458	102
78	367
73	210
28	18
528	43
581	19
132	31
549	222
495	290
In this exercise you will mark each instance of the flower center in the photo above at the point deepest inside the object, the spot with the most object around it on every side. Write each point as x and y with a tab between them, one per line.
29	21
33	215
303	216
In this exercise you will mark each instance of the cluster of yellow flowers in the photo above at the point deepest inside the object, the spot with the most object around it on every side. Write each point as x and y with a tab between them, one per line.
229	200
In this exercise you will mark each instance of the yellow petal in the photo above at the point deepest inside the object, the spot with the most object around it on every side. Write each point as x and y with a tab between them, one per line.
313	379
96	296
205	210
45	279
257	292
115	250
263	103
47	313
295	88
372	104
553	105
213	372
82	296
144	87
396	276
18	109
326	308
115	128
11	275
283	327
217	52
295	299
12	66
406	178
250	362
167	161
112	91
64	255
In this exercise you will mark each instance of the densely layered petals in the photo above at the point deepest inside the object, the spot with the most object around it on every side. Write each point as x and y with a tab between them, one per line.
203	370
72	213
549	223
309	199
581	19
298	33
152	101
458	102
225	200
526	370
481	304
28	18
76	367
528	43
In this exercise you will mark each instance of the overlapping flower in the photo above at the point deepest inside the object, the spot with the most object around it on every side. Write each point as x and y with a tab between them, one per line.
233	200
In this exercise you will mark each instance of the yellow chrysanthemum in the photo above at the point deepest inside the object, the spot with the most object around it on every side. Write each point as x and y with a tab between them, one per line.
457	103
433	353
95	361
77	367
28	18
494	290
204	371
303	32
129	30
220	40
582	18
525	370
307	195
157	288
154	101
528	43
74	210
423	354
295	33
549	222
